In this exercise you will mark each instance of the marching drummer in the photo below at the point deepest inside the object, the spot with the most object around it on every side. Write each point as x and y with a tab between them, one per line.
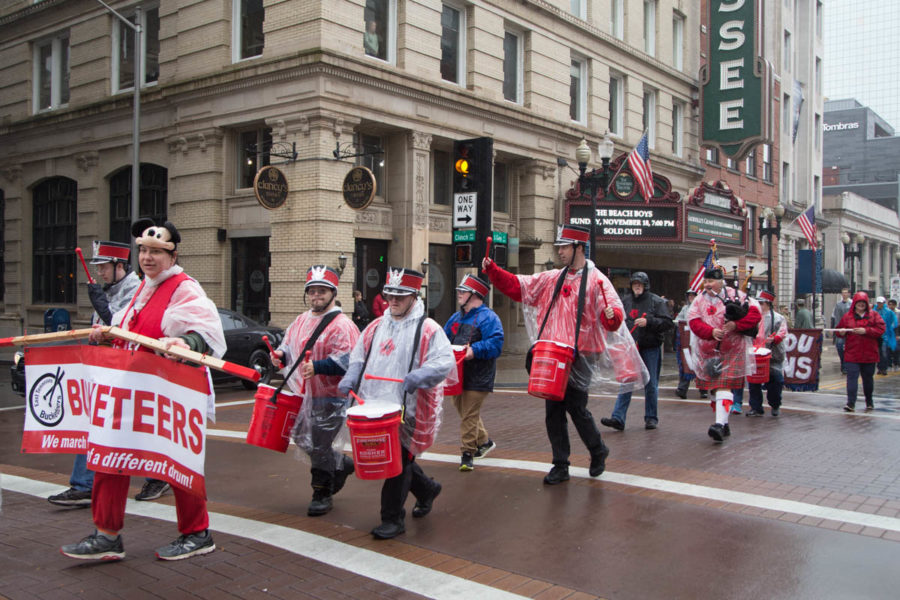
554	303
173	308
772	333
329	335
405	345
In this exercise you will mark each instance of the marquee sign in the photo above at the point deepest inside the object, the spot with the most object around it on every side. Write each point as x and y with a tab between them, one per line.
631	222
736	81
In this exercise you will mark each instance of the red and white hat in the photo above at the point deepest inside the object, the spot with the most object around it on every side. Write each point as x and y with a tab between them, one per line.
322	275
105	251
765	296
473	284
402	282
572	234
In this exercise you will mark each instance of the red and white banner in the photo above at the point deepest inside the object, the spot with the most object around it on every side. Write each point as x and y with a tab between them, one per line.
133	413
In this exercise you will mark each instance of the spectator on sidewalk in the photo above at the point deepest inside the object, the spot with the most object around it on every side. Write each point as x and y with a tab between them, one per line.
861	348
803	319
841	308
379	305
889	338
648	318
478	328
360	312
895	355
723	321
684	379
772	333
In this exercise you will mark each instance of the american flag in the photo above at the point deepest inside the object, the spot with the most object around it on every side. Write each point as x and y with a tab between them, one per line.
639	162
697	281
807	223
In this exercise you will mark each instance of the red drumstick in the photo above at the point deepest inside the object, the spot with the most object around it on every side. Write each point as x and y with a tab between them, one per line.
487	247
383	378
358	399
265	339
303	381
633	328
84	264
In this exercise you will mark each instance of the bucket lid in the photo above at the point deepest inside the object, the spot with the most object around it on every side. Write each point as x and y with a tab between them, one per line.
458	348
560	344
373	411
762	351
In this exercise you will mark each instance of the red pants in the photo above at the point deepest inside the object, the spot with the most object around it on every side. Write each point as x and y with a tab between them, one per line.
111	491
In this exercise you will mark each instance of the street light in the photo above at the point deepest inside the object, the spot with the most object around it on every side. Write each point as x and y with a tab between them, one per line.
766	217
595	179
852	252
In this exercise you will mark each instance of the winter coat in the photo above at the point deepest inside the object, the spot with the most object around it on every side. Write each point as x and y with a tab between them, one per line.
861	348
481	329
890	323
659	321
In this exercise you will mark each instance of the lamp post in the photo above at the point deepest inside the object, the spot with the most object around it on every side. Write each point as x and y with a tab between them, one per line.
595	179
852	251
772	230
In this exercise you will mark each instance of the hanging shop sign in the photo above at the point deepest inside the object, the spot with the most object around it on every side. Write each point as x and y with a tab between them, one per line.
736	81
359	188
271	187
623	187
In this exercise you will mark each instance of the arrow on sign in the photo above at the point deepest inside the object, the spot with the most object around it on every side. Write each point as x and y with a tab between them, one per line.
465	219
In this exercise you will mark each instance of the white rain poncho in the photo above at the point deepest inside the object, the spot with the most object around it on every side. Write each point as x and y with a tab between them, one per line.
608	361
720	364
391	343
319	430
772	326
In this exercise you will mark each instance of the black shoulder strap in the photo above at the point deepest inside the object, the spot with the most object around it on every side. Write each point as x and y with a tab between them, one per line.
309	344
581	293
412	359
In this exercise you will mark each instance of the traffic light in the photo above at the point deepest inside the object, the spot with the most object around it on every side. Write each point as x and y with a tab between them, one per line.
473	176
463	254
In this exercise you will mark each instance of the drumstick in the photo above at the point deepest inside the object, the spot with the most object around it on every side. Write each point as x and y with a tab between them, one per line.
635	326
303	381
84	264
487	247
265	339
358	399
383	378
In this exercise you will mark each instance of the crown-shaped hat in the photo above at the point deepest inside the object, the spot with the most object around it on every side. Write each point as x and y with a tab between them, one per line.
105	251
476	285
322	275
572	234
402	282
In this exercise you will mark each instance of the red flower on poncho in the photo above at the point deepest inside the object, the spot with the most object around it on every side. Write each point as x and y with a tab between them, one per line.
711	310
455	328
566	291
634	313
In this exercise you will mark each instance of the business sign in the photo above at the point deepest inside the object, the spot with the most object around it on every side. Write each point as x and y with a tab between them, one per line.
271	188
650	222
359	188
736	81
708	226
841	126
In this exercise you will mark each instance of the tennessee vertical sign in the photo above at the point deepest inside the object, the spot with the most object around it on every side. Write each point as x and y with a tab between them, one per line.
736	81
133	413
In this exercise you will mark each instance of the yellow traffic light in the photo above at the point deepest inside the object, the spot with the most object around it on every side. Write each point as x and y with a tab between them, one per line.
462	167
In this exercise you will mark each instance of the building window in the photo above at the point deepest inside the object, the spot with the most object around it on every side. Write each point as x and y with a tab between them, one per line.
248	19
818	75
578	91
818	133
512	67
373	157
2	244
786	183
51	73
819	19
678	42
54	240
579	8
501	188
453	45
677	123
751	227
786	64
650	27
442	178
649	117
786	115
616	104
153	200
380	25
123	55
767	163
617	19
712	156
729	164
750	166
253	154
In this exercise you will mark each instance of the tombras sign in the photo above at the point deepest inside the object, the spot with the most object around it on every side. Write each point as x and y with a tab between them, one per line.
736	81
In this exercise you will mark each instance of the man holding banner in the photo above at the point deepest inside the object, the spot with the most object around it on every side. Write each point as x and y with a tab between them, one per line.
171	307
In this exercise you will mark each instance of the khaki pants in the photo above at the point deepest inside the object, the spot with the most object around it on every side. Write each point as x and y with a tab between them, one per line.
471	429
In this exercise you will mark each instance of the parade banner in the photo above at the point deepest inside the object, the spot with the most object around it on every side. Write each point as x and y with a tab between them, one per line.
133	413
802	357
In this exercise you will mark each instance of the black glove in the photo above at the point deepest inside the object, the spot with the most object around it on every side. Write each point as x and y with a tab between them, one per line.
100	302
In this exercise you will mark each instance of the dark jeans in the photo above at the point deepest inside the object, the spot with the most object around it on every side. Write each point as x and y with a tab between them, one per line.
652	358
839	344
884	356
854	370
395	490
773	391
575	403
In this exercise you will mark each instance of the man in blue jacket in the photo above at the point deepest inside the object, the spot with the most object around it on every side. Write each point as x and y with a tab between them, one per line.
889	339
478	329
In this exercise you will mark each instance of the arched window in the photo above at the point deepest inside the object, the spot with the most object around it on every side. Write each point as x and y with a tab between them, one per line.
154	192
54	231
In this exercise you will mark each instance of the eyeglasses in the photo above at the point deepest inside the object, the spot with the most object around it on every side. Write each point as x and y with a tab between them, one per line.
395	298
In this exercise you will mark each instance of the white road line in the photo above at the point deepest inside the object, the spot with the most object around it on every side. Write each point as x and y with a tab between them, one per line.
392	571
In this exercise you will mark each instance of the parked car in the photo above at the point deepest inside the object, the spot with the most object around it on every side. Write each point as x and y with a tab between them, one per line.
243	337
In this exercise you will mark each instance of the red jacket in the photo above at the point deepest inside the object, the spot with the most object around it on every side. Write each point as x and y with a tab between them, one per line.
861	348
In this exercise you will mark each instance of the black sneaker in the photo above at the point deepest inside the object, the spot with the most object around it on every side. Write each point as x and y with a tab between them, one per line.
465	463
651	424
485	448
186	546
320	504
870	407
755	413
716	432
557	474
598	462
388	530
704	394
71	497
613	422
776	411
848	408
726	430
681	394
96	547
423	507
341	475
153	489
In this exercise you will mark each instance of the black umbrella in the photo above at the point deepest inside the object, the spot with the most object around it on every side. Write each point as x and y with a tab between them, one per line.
833	281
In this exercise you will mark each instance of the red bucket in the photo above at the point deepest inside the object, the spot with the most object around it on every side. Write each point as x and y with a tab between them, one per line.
272	422
763	356
459	354
375	437
550	366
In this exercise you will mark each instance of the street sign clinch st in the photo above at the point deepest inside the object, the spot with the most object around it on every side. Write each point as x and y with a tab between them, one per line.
736	81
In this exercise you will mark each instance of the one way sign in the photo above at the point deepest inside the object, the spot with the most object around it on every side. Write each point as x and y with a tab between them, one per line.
464	212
